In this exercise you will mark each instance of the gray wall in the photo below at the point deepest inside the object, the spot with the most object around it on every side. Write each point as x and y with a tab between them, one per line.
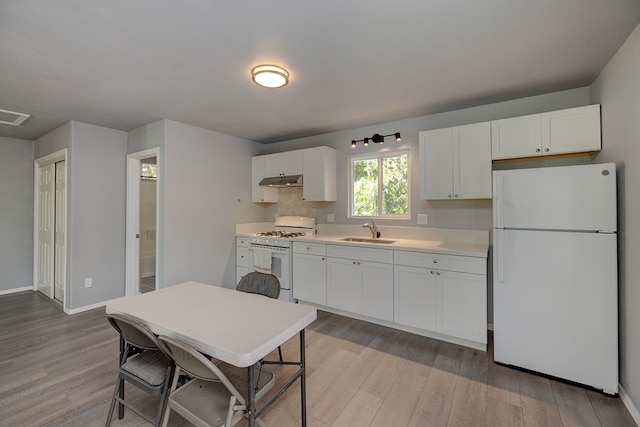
96	168
465	214
617	88
98	177
16	213
206	191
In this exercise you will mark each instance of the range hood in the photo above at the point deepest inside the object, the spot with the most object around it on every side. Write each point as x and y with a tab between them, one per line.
282	181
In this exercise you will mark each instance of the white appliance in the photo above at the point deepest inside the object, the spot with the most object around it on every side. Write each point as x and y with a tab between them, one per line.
555	272
278	243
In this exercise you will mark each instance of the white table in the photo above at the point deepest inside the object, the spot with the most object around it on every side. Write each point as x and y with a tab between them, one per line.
235	327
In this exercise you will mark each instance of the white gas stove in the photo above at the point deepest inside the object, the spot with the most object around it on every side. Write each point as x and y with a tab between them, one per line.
286	229
277	247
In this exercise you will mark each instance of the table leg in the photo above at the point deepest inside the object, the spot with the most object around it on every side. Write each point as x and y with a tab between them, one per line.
303	381
121	388
251	403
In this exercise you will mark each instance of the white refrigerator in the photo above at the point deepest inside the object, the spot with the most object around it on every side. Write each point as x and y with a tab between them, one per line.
555	287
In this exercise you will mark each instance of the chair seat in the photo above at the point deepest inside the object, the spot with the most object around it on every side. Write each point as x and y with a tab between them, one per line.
203	403
149	366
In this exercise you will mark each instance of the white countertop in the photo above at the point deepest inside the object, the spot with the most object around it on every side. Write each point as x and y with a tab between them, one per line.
472	243
479	250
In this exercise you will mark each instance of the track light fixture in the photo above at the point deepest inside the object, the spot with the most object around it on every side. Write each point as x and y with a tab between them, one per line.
376	139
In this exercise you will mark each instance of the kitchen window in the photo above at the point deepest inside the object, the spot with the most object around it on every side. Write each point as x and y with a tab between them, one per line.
379	185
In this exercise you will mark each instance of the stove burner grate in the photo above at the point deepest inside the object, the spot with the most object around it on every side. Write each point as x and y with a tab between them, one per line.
282	234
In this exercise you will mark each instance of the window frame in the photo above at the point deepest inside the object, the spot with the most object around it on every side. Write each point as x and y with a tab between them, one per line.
379	156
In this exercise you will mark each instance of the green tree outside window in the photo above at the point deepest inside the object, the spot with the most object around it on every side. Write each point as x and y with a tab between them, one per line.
380	185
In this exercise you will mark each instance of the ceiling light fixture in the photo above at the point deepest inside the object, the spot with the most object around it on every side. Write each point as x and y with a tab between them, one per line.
376	138
270	76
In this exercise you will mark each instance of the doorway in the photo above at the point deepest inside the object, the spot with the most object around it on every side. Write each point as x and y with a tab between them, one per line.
148	191
142	222
50	226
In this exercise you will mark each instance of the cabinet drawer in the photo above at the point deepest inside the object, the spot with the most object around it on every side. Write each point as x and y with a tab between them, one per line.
362	254
242	242
309	248
441	262
242	257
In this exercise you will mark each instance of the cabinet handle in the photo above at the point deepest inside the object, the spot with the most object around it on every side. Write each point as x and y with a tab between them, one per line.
438	273
433	272
537	150
546	150
308	248
455	195
435	261
323	258
354	263
241	256
449	195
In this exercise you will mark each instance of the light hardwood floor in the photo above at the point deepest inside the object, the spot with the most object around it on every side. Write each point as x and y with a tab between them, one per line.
59	370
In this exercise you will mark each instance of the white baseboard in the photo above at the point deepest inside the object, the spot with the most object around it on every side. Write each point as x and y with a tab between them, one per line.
85	308
13	291
629	404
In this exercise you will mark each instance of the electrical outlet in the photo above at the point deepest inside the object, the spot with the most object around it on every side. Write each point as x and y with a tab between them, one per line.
331	217
88	282
423	219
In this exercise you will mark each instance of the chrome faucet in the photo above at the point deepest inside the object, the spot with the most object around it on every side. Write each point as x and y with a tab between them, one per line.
373	228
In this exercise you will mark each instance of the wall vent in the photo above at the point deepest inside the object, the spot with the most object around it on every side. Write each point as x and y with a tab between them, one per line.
12	118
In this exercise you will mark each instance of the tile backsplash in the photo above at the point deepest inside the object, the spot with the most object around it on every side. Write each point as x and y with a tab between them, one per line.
290	203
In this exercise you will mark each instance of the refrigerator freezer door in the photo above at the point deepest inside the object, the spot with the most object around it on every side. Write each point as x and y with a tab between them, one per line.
556	198
555	304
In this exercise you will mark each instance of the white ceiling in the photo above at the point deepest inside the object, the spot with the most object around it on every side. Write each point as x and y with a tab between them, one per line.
353	63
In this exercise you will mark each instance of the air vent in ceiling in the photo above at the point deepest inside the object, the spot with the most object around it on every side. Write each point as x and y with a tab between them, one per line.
12	118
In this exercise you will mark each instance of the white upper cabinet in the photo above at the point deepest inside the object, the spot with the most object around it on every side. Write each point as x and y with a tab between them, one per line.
282	164
455	163
317	165
258	193
573	130
319	174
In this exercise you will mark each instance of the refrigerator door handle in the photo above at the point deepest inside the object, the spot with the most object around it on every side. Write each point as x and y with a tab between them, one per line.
499	255
498	181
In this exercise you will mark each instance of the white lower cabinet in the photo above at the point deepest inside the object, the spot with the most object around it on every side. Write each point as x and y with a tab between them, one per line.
444	296
430	295
242	257
310	272
462	304
414	297
360	280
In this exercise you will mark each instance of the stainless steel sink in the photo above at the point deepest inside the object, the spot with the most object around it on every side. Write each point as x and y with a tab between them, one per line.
368	240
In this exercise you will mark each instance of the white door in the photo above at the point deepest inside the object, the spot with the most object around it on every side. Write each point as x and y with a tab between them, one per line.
45	238
555	304
556	198
60	212
472	161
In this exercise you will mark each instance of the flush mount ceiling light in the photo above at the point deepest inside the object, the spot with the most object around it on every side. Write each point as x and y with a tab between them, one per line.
376	138
270	76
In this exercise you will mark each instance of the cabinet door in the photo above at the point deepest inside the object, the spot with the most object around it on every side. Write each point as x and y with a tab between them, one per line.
310	278
319	170
377	290
436	164
462	305
572	130
258	193
414	297
516	137
472	161
343	284
287	163
240	273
